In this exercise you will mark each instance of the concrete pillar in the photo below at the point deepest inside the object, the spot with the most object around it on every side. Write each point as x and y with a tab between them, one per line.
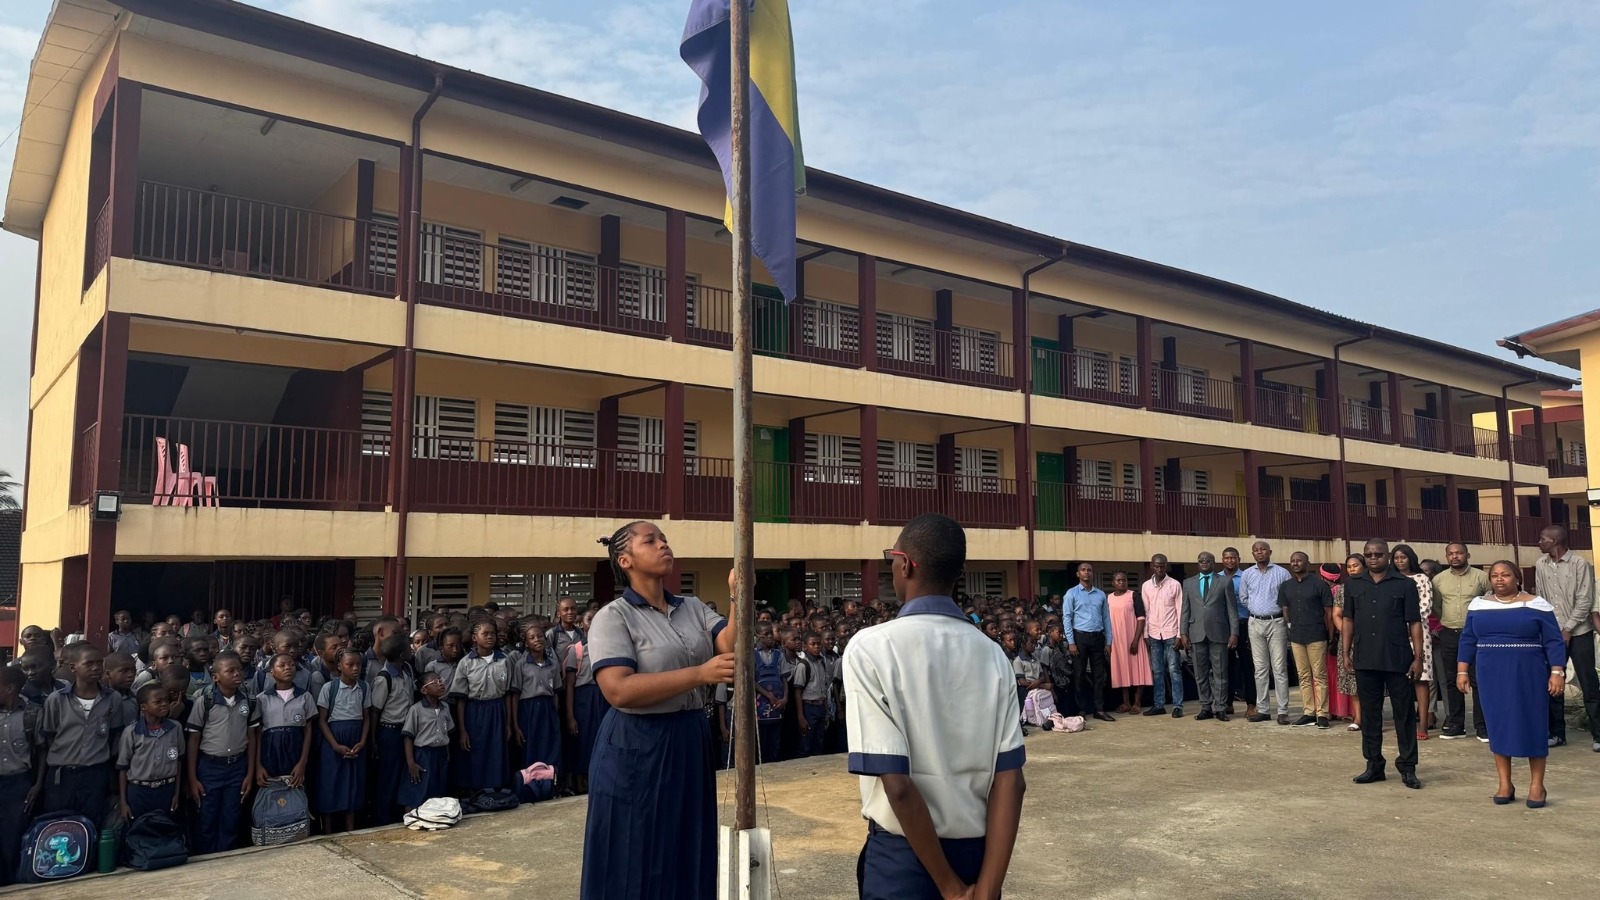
677	276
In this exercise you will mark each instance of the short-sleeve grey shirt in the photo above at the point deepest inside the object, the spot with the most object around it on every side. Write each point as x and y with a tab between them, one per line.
151	755
349	704
630	632
76	737
428	726
535	678
224	730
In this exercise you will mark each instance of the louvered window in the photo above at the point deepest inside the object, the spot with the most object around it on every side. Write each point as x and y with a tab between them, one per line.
1188	384
1574	453
688	584
383	245
442	592
544	435
982	584
905	339
1358	415
833	458
446	428
547	275
831	326
377	416
368	604
907	464
642	292
538	594
641	441
1196	483
1096	480
978	469
977	350
822	587
513	268
451	256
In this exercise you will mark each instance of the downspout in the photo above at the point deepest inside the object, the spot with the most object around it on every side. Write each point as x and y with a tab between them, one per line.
411	222
1338	416
1511	470
1025	379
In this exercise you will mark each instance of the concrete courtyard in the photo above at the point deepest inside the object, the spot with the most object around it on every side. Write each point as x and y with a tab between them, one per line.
1135	808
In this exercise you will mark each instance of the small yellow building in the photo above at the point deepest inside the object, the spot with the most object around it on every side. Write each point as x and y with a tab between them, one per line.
1561	420
350	327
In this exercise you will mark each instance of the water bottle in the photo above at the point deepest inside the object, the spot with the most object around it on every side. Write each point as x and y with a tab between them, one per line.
108	849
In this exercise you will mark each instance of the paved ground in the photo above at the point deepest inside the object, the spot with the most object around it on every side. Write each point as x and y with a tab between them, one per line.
1135	808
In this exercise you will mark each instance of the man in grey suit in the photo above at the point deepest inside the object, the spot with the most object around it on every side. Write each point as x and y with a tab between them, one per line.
1209	625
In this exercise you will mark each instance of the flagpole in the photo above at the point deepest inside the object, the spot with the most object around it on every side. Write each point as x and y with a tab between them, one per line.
744	713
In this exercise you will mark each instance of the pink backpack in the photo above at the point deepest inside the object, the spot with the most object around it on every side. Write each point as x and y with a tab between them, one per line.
1038	707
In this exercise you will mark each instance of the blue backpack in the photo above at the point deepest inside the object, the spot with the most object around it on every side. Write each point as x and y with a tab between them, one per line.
57	845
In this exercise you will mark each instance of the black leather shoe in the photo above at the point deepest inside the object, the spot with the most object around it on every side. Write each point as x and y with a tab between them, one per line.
1177	712
1374	773
1104	717
1223	717
1204	715
1156	711
1410	780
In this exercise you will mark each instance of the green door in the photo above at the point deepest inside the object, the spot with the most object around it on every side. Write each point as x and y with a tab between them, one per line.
1046	369
771	327
771	450
1050	504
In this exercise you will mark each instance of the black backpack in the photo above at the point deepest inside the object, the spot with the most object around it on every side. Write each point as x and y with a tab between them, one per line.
154	841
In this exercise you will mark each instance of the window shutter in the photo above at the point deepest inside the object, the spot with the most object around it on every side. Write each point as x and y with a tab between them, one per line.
452	256
457	428
446	592
368	604
383	245
978	468
642	292
831	326
822	587
979	350
906	464
537	594
511	433
642	440
982	584
513	268
833	458
377	417
905	339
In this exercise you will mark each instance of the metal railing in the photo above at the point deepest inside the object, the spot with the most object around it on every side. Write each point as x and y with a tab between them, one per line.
251	464
1525	450
1200	513
1293	411
1565	468
1102	509
710	316
206	230
533	478
88	464
1194	395
1439	525
100	250
1301	519
1365	423
1425	433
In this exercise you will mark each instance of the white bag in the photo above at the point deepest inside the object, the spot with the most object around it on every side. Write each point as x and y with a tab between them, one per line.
1038	707
435	814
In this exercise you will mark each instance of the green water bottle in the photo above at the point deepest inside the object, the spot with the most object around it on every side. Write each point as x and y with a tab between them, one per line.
108	850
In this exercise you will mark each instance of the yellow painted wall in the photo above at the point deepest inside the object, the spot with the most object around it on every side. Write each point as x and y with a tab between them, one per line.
49	485
40	603
149	532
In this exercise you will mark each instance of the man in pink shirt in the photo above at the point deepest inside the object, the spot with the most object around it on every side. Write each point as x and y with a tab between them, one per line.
1163	601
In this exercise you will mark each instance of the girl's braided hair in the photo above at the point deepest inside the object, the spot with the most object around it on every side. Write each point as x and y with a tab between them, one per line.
617	544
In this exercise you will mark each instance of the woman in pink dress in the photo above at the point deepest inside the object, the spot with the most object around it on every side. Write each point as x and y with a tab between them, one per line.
1339	703
1130	661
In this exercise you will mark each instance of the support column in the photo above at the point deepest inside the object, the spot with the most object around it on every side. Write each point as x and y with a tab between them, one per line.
944	465
1396	431
799	499
108	472
677	277
1447	416
124	168
868	422
1538	437
797	584
1147	483
610	260
1247	379
605	585
1141	328
1022	445
1502	423
673	469
867	311
1340	496
1021	341
1401	511
1065	339
1452	499
869	580
1330	418
1252	493
366	171
1508	511
944	342
344	586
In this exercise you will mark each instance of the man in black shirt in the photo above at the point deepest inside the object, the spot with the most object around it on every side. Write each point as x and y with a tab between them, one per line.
1384	644
1308	608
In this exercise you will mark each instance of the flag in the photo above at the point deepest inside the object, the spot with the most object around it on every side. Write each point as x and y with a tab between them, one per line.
777	168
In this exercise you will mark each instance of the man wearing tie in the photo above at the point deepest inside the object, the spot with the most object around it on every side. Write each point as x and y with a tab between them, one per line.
1208	624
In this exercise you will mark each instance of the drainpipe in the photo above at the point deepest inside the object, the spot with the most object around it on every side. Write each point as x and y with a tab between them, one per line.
1338	416
1025	379
411	225
1511	471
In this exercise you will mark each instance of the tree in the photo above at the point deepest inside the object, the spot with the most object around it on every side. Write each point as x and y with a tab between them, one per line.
10	491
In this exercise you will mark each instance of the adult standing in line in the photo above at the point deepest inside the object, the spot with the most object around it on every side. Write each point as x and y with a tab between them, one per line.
1209	623
1308	611
1269	636
1339	701
933	734
1566	580
1242	676
1383	637
652	828
1406	563
1163	610
1514	637
1086	622
1454	589
1355	566
1130	662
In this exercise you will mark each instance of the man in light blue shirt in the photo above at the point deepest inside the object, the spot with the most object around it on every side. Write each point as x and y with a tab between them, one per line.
1086	619
1269	631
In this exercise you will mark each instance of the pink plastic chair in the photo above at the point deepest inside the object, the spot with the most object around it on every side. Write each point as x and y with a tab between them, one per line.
166	479
187	480
208	489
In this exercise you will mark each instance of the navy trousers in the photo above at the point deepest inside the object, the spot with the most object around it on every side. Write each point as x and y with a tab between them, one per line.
888	869
143	799
13	790
217	825
82	789
813	742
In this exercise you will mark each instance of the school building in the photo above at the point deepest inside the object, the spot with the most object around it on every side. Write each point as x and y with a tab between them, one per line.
335	322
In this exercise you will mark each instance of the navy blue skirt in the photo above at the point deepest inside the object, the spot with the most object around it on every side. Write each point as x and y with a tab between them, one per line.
652	828
589	707
485	765
435	782
341	784
541	736
280	749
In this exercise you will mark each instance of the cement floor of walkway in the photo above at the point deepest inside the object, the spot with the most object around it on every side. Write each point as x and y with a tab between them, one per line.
1136	808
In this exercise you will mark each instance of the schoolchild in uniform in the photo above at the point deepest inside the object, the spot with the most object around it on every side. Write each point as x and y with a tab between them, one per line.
175	679
427	736
652	829
790	641
449	649
288	713
223	725
287	642
19	746
812	679
536	680
123	639
772	693
119	680
197	656
150	757
393	691
484	707
934	734
341	782
76	728
163	652
324	664
586	708
38	665
249	650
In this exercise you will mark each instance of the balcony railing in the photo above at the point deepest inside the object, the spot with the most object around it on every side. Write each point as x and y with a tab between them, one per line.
1101	509
100	252
1566	468
88	464
1579	537
1293	411
1365	423
946	356
1187	394
531	478
1199	513
1481	528
251	464
1525	450
1081	375
206	230
1424	433
1303	519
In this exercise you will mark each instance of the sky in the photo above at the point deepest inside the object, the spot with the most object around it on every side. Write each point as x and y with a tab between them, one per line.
1431	166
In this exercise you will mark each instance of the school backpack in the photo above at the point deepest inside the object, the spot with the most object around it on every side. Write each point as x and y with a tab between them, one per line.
57	845
492	800
153	841
361	688
435	814
280	815
1069	724
540	781
1038	707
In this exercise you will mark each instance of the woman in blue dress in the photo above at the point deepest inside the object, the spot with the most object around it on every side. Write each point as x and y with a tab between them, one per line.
652	828
1522	663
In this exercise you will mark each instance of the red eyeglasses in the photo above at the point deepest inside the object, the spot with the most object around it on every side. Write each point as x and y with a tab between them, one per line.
889	555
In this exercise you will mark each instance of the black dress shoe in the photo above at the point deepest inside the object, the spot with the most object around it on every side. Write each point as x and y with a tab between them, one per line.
1104	717
1223	717
1410	779
1204	715
1156	711
1373	773
1177	712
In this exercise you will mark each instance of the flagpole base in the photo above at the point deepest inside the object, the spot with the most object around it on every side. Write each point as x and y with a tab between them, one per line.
744	864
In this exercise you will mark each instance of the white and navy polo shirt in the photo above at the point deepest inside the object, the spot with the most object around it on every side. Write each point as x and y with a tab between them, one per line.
928	695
